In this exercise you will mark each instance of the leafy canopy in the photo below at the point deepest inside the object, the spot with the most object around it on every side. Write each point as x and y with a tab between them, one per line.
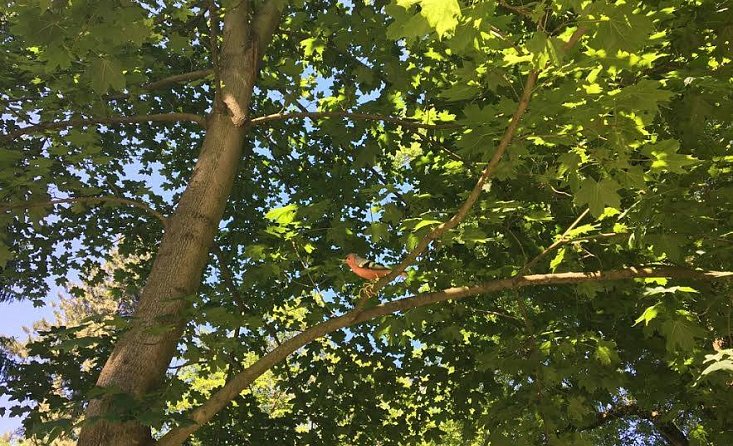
631	123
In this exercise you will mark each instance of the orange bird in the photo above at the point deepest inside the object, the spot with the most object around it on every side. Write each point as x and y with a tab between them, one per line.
366	269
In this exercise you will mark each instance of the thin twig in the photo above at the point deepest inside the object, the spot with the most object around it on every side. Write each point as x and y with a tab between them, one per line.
351	115
473	196
161	117
108	199
499	314
528	266
524	12
501	35
575	38
293	100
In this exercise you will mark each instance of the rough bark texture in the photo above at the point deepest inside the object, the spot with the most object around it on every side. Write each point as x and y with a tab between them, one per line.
140	358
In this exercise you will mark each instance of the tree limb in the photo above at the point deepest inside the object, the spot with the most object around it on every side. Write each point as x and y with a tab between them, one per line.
242	380
351	115
108	199
265	22
524	12
485	175
668	430
577	34
475	192
214	49
160	117
184	77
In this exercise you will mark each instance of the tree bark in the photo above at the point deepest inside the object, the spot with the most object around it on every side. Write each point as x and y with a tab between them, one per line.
141	356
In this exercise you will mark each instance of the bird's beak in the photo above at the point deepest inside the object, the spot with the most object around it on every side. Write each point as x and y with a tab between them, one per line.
343	260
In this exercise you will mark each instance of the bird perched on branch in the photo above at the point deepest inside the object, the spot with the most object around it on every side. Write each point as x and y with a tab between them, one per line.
366	269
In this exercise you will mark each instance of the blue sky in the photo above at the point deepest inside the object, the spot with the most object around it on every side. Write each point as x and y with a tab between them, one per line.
16	315
13	317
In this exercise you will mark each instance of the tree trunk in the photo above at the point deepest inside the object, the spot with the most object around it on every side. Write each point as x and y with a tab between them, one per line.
141	356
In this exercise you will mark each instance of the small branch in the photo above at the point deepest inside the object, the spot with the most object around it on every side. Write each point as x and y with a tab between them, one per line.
501	35
354	116
119	200
214	48
668	430
473	196
574	38
184	77
524	12
265	23
162	117
424	139
559	192
485	175
527	267
242	380
293	100
228	277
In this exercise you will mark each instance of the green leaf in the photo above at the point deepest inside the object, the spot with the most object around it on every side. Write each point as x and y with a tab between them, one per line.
649	314
618	27
606	353
312	46
578	408
644	96
106	73
666	159
423	223
598	195
681	332
721	361
581	230
378	231
442	15
724	365
255	252
282	215
557	260
669	290
544	49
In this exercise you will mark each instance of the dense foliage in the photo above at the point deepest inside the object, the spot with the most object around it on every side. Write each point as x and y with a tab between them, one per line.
622	159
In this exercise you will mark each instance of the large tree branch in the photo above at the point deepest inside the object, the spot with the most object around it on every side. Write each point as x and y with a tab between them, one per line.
350	115
214	49
265	23
670	432
108	199
161	117
242	380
